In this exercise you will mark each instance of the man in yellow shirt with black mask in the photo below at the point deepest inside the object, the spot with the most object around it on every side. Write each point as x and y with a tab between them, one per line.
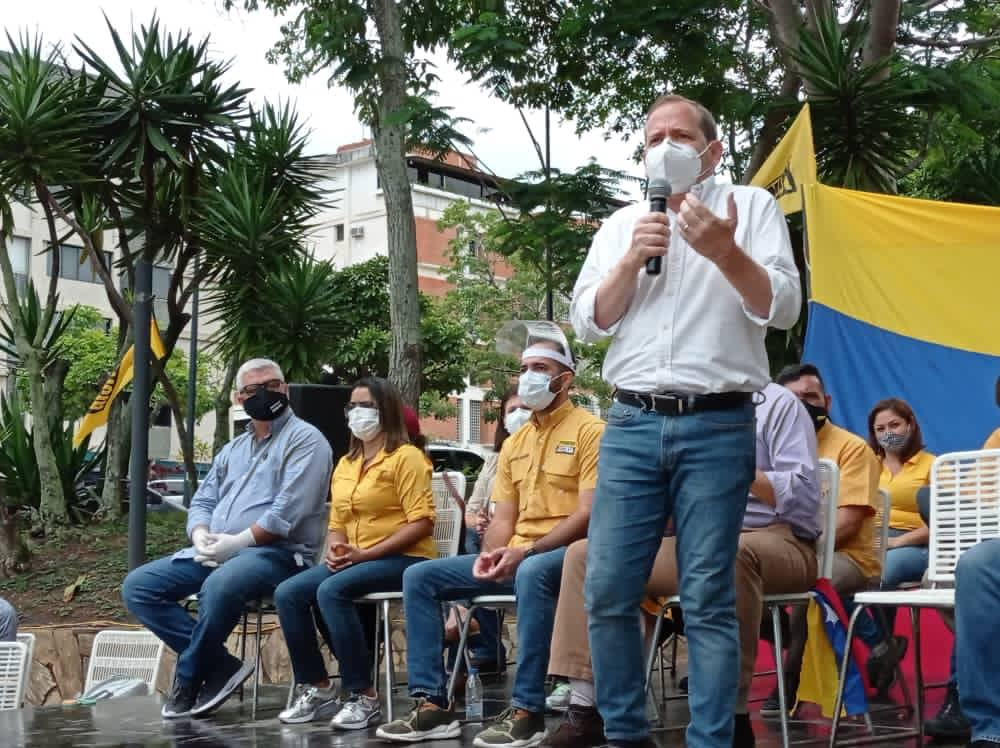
543	492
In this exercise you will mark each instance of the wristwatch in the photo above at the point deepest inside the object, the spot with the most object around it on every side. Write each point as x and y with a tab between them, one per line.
530	552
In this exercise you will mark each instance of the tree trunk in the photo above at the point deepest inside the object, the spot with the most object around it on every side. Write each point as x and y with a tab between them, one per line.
174	400
390	158
882	30
119	443
223	402
14	554
52	502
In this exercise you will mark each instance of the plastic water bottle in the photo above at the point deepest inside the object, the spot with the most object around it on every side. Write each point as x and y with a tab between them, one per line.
473	696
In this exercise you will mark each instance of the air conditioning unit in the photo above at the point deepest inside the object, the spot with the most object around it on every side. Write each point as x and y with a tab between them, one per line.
357	232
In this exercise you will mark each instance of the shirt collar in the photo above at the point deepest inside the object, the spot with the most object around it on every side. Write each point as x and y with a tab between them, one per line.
276	425
548	420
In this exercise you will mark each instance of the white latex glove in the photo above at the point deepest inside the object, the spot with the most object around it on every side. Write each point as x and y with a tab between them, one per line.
224	546
206	561
199	538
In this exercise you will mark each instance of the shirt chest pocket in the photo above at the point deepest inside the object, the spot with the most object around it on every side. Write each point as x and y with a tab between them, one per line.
562	481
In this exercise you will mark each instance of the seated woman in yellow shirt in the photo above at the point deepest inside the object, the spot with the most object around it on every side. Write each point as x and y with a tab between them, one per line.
381	522
894	434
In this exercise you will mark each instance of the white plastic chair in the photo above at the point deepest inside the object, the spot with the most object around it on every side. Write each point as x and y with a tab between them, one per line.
28	640
448	526
129	654
965	510
13	663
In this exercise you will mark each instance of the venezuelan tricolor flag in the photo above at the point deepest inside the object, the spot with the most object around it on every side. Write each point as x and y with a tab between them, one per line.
905	302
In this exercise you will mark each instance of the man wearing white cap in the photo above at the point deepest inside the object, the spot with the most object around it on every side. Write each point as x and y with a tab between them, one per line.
544	486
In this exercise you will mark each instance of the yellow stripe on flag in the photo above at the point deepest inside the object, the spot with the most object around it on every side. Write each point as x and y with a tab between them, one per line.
818	681
100	409
791	165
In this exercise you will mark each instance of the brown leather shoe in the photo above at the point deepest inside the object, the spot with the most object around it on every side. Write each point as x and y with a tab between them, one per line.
582	727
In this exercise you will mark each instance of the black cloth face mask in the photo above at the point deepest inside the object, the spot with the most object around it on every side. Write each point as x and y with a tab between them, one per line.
817	413
266	405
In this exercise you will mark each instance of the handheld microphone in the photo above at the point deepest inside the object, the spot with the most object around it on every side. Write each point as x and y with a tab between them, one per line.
659	191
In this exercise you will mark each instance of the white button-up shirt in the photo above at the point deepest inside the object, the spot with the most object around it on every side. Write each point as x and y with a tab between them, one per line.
687	329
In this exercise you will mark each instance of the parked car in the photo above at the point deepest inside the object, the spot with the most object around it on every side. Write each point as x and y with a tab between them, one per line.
463	458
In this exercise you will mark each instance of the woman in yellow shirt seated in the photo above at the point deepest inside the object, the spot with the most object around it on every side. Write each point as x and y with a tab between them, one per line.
894	434
381	522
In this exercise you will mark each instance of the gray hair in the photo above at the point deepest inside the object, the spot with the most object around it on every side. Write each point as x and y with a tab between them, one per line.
256	364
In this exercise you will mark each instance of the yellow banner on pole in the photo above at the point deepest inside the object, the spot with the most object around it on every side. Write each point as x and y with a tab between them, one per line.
791	165
100	409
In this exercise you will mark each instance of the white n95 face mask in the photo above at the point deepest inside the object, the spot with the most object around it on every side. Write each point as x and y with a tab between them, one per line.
678	163
533	389
516	419
364	423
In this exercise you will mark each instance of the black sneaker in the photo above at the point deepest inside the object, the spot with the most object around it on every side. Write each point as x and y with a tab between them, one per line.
949	723
582	727
181	700
220	685
771	706
882	667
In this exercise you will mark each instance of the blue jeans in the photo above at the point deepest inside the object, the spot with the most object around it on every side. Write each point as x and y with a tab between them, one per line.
426	586
977	658
332	595
697	469
488	646
905	564
152	591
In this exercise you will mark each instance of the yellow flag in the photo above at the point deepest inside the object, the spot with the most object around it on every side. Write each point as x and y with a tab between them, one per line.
100	409
791	165
820	674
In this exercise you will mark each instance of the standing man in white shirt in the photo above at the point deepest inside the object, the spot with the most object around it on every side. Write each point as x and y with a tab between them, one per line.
686	357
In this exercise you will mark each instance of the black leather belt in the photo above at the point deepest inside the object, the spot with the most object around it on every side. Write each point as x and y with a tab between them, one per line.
679	404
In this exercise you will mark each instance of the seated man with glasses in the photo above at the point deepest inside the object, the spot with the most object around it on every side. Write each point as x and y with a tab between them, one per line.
256	520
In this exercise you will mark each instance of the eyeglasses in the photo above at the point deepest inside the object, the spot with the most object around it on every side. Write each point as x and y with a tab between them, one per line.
252	389
363	404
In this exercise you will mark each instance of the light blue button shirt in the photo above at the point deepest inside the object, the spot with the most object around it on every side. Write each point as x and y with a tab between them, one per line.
281	483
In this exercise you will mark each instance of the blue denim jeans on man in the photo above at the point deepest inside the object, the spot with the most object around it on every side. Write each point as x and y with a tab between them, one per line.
697	469
332	595
426	586
152	591
977	657
488	645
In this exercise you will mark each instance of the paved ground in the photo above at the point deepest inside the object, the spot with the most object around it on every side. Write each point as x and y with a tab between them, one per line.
136	722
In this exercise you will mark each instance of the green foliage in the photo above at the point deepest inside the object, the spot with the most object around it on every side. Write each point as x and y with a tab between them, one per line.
364	349
41	326
19	477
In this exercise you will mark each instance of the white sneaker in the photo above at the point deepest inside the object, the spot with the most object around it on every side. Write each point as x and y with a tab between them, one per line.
359	712
313	703
558	700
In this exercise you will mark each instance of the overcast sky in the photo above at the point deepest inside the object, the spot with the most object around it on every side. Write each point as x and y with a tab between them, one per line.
500	139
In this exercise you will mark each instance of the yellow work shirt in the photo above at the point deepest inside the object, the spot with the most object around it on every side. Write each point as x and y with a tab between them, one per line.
902	488
993	441
544	466
859	479
371	505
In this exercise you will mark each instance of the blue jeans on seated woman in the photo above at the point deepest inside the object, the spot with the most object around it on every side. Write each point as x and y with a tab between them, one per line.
904	564
332	595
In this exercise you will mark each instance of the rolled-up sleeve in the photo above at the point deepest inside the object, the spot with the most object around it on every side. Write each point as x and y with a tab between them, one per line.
305	484
206	498
792	438
771	248
595	267
413	486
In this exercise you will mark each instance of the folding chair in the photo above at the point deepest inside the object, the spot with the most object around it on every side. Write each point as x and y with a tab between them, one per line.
13	663
448	527
965	510
28	640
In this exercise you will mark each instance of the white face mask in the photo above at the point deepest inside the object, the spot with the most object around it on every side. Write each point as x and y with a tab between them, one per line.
533	389
678	163
516	419
364	423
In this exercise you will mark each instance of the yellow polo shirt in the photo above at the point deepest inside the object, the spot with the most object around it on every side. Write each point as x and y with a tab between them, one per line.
902	488
993	441
544	466
859	479
371	505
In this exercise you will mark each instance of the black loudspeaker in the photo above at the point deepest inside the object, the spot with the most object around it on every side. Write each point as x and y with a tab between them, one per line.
322	405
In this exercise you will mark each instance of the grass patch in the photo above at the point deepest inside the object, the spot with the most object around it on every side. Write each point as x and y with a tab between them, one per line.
99	553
